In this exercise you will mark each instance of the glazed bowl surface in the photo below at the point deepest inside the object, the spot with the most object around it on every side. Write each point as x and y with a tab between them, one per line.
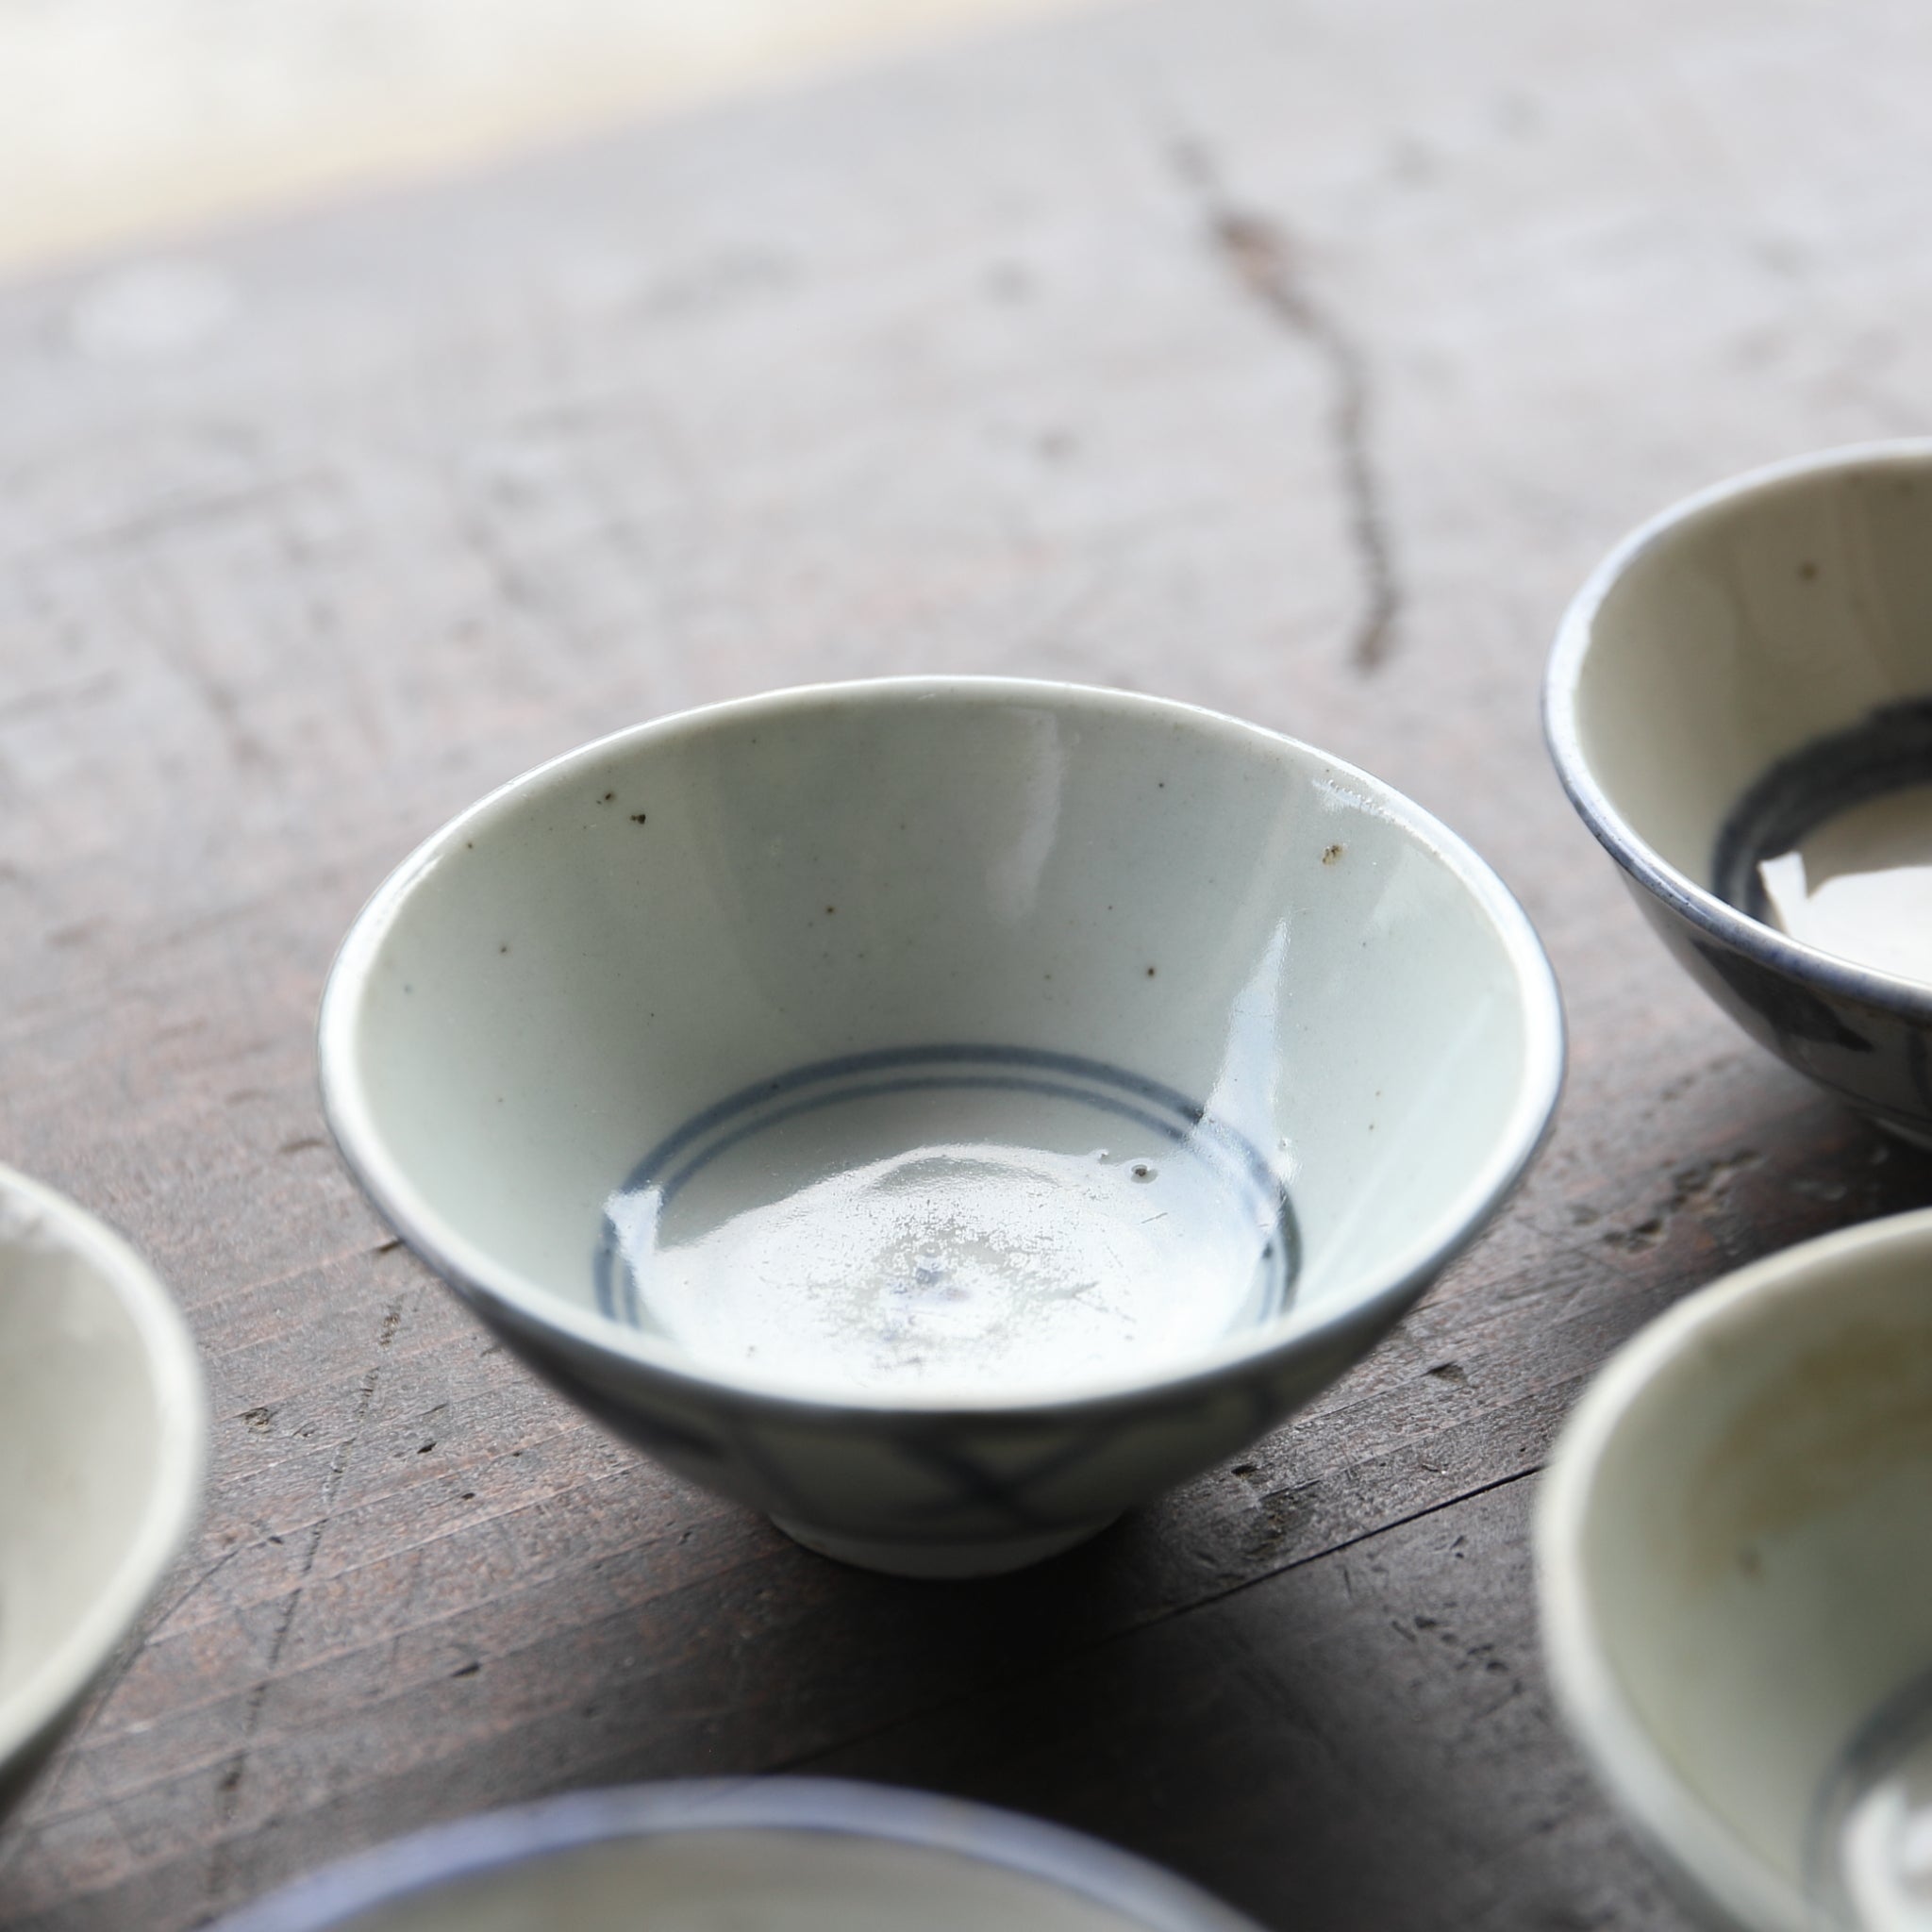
1753	665
1734	1544
805	1855
101	1433
940	1113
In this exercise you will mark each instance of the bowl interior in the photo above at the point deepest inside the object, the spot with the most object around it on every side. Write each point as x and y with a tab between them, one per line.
699	1881
1000	946
99	1436
1752	1548
1772	615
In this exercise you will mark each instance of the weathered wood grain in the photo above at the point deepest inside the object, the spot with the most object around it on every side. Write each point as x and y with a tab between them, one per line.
1293	360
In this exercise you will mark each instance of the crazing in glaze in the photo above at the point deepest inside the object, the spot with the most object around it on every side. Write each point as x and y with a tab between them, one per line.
978	1216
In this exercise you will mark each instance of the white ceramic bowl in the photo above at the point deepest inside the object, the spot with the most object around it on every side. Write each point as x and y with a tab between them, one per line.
806	1855
102	1428
1734	673
941	1112
1734	1545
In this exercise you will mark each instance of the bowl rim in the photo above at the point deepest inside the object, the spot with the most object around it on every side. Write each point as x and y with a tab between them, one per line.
504	1296
178	1464
1908	998
1144	1894
1685	1834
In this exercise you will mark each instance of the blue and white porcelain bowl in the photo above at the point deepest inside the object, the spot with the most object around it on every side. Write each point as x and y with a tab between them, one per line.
809	1854
940	1113
1740	705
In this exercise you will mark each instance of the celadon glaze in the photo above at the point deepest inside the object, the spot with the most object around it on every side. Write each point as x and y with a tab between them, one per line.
1714	645
102	1432
1735	1578
942	1113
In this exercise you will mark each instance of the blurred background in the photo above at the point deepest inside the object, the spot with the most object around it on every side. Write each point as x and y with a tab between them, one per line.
123	119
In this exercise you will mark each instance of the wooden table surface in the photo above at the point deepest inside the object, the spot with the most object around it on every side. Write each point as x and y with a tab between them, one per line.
1291	358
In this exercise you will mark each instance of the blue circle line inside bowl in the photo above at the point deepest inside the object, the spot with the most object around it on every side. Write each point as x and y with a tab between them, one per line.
1163	1110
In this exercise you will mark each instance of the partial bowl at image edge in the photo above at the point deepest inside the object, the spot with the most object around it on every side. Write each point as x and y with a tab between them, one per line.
1723	1340
1123	1891
1796	1000
36	1711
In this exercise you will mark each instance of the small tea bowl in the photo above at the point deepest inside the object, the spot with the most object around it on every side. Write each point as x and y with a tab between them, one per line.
101	1433
1734	1544
940	1113
819	1854
1746	686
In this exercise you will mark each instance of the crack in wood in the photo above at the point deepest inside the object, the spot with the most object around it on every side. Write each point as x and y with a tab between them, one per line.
1260	254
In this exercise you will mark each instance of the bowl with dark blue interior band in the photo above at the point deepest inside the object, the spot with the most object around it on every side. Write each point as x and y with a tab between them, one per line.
1740	705
940	1113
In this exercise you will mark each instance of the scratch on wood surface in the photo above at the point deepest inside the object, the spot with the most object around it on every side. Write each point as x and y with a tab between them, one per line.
58	697
1261	254
1276	1504
500	570
931	1714
155	523
215	1351
193	1589
228	1791
173	631
103	1693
